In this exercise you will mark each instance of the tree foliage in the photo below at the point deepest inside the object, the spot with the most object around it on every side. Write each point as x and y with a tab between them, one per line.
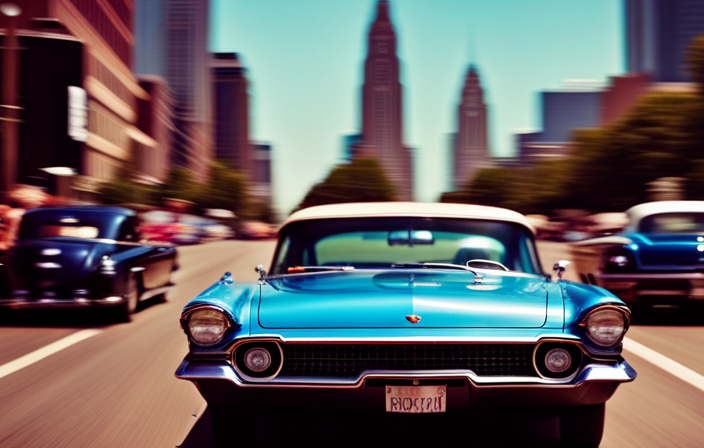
362	180
225	189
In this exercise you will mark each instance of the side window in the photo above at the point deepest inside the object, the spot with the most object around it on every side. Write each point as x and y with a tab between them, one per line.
129	231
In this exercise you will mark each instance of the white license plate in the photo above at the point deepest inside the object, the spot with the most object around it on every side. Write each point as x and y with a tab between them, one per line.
416	399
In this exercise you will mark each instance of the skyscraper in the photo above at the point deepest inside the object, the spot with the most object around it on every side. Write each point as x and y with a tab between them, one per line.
658	33
188	75
471	147
231	119
382	123
150	37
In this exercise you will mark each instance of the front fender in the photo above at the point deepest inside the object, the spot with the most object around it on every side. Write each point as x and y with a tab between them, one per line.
234	299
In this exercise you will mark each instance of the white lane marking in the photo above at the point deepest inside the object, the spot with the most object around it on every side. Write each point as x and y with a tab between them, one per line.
47	350
670	366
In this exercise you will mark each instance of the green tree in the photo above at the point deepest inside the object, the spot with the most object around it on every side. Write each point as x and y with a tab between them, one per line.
179	184
225	188
123	190
362	180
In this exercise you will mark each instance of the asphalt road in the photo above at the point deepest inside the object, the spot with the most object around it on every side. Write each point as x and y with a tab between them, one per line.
75	380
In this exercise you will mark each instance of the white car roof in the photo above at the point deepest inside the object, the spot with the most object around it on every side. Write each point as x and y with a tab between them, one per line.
411	209
640	211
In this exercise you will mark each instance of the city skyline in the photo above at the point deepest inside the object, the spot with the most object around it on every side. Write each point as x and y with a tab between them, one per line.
306	65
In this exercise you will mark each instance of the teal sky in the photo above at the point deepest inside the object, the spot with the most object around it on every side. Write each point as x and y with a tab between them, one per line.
305	65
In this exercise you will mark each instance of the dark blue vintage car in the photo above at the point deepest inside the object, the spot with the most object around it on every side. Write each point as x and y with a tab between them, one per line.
406	308
658	258
84	257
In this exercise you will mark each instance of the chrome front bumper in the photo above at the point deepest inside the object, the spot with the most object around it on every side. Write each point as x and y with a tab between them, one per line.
54	302
595	383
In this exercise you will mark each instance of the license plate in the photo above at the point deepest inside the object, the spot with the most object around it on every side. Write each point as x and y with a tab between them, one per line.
416	399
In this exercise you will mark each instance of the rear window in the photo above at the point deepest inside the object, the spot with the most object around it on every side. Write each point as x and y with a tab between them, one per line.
70	225
682	223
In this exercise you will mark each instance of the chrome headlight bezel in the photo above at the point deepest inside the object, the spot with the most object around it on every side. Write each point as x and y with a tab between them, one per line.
275	352
214	323
606	326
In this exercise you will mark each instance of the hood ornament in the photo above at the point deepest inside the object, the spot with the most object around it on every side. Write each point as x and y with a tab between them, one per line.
413	318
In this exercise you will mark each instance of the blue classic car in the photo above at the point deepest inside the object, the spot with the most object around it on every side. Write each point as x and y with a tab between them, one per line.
84	257
657	259
406	308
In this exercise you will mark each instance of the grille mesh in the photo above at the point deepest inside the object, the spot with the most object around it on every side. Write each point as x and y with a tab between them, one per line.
349	360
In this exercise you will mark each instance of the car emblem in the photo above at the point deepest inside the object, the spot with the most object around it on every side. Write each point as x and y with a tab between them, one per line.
413	318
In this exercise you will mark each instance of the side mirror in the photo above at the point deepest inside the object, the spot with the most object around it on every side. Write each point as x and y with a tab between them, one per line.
560	267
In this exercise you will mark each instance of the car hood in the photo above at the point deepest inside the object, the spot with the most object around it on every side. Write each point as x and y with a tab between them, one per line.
384	299
661	250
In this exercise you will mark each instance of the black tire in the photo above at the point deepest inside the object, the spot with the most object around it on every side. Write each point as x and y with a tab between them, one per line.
126	309
582	426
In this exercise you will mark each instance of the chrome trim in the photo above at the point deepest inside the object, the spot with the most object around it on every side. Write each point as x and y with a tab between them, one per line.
48	265
621	373
579	345
137	269
52	302
653	276
253	379
230	321
50	252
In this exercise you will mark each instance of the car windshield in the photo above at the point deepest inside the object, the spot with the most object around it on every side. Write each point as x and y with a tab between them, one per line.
387	242
682	223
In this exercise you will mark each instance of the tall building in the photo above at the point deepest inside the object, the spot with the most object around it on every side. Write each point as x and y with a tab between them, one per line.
231	113
73	66
471	150
188	75
260	184
382	118
150	37
156	120
658	33
574	107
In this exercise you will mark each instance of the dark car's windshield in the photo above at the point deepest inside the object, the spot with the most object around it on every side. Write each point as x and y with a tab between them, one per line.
383	242
74	225
682	223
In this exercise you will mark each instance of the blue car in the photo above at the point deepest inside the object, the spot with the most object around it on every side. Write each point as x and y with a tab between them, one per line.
658	258
406	308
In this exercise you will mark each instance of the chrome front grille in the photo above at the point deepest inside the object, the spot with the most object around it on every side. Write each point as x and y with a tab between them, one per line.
349	360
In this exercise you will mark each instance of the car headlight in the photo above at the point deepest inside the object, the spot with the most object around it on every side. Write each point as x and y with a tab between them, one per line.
257	359
619	261
207	326
606	327
558	360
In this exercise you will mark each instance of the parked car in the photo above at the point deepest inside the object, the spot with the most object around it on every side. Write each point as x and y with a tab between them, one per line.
406	308
658	258
84	257
181	228
255	230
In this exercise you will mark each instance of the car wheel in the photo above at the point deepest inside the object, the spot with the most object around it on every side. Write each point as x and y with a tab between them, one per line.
582	426
129	306
233	428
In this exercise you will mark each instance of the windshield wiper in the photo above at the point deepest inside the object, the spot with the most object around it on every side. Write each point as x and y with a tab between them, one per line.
293	269
422	265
